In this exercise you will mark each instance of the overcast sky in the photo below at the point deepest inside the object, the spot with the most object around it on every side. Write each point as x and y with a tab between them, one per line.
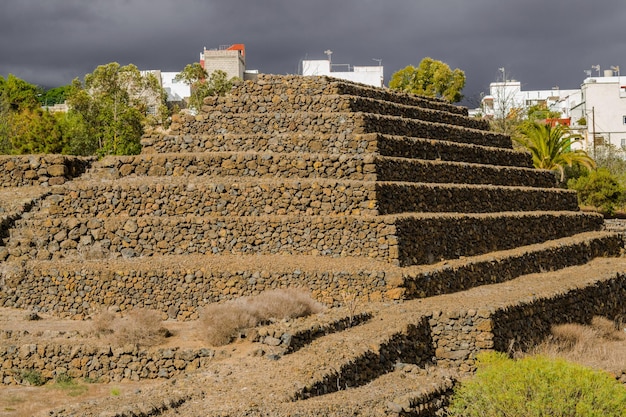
542	43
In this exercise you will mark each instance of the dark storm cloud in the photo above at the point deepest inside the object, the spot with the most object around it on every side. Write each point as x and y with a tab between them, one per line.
541	43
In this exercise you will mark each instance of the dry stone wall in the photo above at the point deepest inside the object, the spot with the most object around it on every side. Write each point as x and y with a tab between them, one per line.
102	364
77	237
434	238
16	171
83	290
459	335
492	269
528	323
448	338
313	86
173	197
294	102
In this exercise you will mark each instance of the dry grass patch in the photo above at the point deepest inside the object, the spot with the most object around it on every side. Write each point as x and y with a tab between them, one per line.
142	327
599	344
221	323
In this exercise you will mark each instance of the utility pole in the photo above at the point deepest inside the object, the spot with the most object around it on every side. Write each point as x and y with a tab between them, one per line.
593	129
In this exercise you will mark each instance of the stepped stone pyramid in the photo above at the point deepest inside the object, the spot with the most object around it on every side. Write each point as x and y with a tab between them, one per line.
446	237
309	182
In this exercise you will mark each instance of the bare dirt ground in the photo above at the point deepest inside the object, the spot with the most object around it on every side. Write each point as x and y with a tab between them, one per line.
22	401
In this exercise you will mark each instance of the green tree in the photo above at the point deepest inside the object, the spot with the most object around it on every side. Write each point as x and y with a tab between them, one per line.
76	132
431	78
599	189
24	126
113	103
54	96
550	147
35	131
19	94
203	85
537	386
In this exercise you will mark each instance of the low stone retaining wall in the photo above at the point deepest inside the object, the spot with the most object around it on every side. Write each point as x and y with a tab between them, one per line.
324	166
430	239
528	323
453	277
399	239
400	198
102	364
178	290
217	123
408	147
460	335
393	125
298	86
249	165
400	169
16	171
172	197
284	143
93	238
237	104
451	338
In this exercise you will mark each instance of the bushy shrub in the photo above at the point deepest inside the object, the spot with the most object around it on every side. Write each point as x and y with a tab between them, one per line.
140	326
221	323
33	377
537	386
599	189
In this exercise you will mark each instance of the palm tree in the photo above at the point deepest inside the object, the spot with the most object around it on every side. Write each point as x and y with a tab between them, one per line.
551	147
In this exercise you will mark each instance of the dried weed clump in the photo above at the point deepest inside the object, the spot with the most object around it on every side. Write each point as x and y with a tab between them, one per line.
221	323
142	327
594	344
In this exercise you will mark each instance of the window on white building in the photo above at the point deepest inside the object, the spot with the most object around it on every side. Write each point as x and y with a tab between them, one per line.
624	120
623	143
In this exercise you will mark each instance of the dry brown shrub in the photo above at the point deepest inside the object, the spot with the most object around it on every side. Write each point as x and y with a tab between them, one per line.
140	326
569	336
221	323
606	328
289	303
597	344
102	322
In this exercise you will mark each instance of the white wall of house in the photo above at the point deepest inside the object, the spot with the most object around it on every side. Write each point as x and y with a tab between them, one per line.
507	96
604	109
176	90
372	75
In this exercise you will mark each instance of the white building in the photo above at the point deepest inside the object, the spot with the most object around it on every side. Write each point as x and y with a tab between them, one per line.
506	97
596	110
372	75
176	90
603	110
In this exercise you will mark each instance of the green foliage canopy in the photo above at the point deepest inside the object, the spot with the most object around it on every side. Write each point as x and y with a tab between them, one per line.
112	103
550	147
204	85
431	78
536	387
24	126
599	188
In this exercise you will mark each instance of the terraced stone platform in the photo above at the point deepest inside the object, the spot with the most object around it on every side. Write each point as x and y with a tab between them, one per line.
341	189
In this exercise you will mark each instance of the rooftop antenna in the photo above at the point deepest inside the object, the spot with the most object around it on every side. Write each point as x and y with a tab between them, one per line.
380	61
328	52
615	68
501	69
588	72
597	68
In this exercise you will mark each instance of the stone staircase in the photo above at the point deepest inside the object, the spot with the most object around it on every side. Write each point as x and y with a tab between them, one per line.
434	224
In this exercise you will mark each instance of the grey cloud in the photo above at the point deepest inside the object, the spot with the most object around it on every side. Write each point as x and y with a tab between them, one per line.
541	43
